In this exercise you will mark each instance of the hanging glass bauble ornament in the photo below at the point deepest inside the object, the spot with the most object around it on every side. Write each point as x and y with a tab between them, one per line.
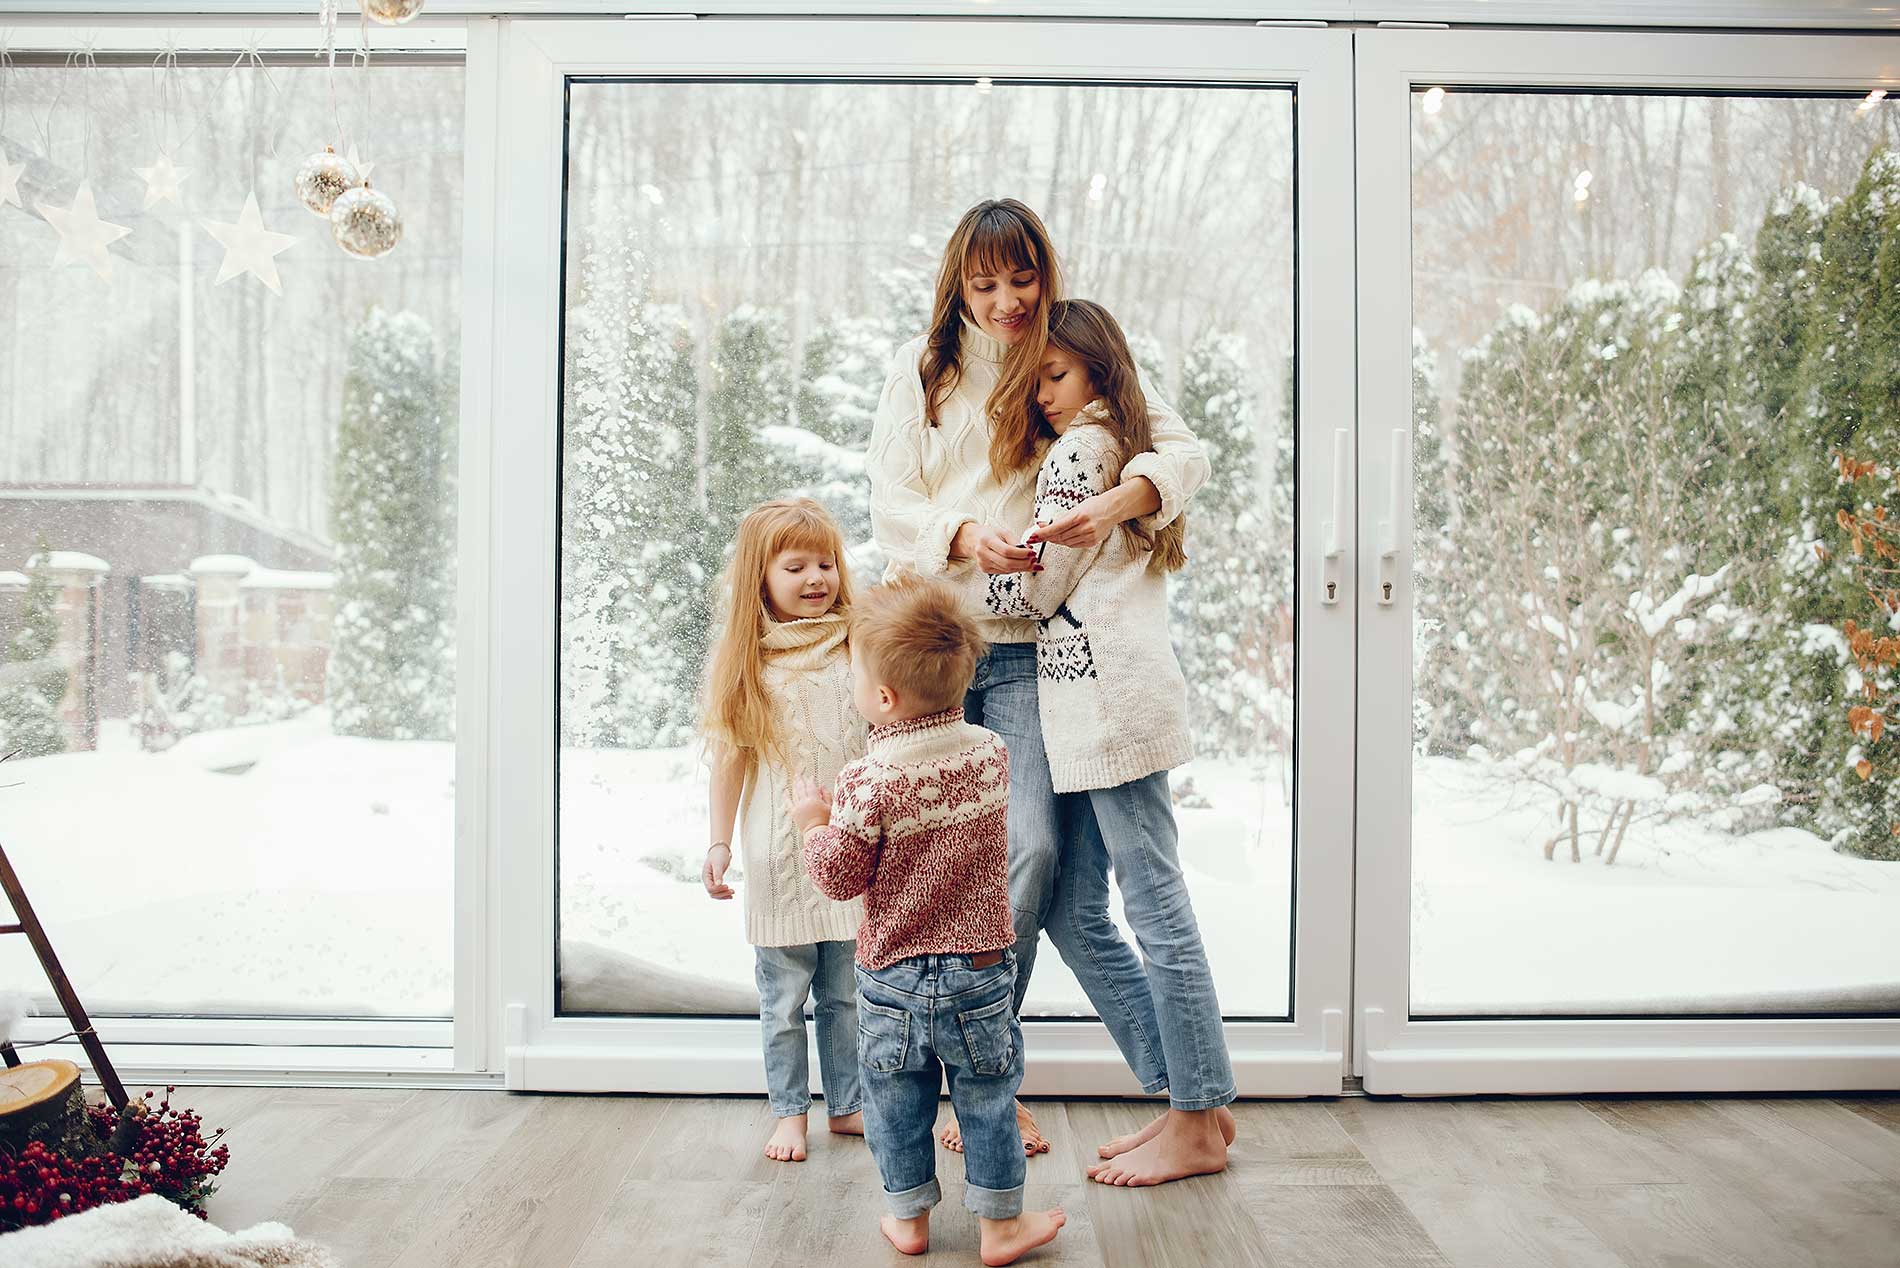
322	179
365	222
391	12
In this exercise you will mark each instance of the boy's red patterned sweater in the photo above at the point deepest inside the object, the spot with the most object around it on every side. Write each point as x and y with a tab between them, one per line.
920	827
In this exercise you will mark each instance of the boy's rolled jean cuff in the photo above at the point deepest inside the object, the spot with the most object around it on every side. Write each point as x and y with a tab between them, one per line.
911	1203
1205	1102
993	1204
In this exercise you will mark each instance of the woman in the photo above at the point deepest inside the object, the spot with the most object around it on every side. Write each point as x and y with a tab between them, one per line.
946	486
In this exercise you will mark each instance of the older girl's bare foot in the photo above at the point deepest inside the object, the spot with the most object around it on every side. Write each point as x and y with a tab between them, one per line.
1122	1144
851	1124
1033	1140
1006	1241
1189	1144
788	1140
910	1236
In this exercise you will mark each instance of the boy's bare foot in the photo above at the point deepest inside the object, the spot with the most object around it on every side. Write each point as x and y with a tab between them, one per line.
851	1124
1033	1140
1006	1241
1122	1144
1190	1143
788	1140
911	1236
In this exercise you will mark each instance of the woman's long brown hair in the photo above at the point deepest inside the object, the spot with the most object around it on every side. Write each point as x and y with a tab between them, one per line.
1089	335
997	236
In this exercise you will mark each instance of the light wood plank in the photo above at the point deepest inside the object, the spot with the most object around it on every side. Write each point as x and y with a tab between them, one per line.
1692	1225
702	1223
1510	1141
1732	1144
1485	1225
286	1144
1340	1226
1295	1142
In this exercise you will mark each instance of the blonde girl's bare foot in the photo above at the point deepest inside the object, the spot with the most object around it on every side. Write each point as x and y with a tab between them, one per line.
1006	1241
951	1137
851	1124
911	1236
1189	1144
1033	1141
1229	1129
788	1140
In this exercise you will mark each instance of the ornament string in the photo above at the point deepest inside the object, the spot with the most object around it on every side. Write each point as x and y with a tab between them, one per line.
252	59
6	77
165	92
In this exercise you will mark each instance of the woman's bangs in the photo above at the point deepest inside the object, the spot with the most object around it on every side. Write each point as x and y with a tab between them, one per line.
999	244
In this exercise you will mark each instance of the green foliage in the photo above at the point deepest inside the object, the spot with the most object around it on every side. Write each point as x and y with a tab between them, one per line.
32	679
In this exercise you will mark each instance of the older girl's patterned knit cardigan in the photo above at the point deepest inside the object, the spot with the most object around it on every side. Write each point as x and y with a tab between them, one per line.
1109	690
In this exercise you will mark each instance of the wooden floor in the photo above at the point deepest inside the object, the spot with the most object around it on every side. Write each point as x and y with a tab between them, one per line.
464	1179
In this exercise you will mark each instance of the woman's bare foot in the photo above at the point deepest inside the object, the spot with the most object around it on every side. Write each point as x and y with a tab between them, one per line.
1006	1241
1033	1140
1190	1143
788	1140
911	1236
1122	1144
851	1124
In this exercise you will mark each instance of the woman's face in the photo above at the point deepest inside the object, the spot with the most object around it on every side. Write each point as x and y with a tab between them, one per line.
1062	388
1001	304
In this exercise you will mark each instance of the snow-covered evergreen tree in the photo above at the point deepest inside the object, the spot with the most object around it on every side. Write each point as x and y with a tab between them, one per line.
32	679
1230	600
392	671
630	575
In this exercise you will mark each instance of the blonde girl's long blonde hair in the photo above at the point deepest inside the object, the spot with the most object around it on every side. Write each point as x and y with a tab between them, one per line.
997	236
737	713
1092	338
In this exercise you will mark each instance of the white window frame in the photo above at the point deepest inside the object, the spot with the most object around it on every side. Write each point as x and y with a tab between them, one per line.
1394	1052
440	1051
545	1051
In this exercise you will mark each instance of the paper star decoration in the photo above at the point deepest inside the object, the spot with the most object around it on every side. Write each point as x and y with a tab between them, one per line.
249	247
83	237
162	180
10	181
362	168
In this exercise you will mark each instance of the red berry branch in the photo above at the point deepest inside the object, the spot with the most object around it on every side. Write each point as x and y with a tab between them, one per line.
152	1149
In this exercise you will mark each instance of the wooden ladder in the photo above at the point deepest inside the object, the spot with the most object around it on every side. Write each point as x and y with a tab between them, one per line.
27	923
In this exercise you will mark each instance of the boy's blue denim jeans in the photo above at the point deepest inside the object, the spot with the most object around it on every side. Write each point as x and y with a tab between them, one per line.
786	977
922	1019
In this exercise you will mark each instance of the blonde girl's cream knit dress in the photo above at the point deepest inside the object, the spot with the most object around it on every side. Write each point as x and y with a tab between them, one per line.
808	681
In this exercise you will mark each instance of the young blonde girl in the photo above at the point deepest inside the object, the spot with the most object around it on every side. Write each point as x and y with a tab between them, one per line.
1114	721
778	709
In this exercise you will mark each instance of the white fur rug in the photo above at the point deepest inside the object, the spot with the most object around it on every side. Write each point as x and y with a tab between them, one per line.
150	1232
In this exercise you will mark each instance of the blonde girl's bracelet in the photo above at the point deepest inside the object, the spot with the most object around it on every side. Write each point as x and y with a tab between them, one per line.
720	845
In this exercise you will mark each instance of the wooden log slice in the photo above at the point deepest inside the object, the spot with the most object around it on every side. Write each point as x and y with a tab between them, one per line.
42	1100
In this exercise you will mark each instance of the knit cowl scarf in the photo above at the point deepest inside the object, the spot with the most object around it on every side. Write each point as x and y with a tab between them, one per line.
806	644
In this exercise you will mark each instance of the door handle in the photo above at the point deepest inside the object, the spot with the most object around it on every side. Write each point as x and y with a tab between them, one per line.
1401	472
1332	532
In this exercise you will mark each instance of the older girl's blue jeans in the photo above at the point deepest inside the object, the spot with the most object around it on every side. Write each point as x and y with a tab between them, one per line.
920	1020
787	976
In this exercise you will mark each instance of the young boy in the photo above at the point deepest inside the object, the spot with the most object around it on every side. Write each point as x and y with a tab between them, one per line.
918	826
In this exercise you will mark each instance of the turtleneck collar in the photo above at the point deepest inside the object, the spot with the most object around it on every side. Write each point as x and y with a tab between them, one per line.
1096	411
981	345
821	634
924	722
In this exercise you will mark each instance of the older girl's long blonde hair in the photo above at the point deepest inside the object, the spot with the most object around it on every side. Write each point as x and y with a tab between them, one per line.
998	235
738	715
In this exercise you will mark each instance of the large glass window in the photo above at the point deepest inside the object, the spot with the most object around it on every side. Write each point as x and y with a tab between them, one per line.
1654	456
742	261
227	525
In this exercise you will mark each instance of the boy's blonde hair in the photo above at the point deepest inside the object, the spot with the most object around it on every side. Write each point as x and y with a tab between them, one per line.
737	714
916	640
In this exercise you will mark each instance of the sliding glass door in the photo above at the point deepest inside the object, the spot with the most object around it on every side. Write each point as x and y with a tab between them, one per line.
741	243
1628	819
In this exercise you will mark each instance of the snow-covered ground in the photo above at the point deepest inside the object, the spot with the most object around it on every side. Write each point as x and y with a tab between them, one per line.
280	869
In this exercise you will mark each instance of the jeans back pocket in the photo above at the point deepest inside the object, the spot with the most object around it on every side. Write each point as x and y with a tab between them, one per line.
883	1037
991	1035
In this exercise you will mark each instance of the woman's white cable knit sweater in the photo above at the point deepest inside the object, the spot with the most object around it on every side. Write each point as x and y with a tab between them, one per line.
808	680
927	482
1109	691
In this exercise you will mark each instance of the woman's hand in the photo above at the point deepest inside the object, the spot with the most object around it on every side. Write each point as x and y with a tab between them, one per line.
713	874
993	550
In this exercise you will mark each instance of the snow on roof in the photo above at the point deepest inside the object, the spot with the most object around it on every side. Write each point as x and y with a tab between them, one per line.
167	581
68	561
13	579
238	565
281	579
